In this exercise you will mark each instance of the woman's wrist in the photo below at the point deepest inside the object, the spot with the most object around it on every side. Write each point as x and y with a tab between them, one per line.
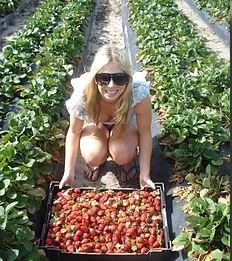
144	174
68	173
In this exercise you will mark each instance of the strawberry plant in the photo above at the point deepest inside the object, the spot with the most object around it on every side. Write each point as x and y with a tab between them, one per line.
187	78
18	61
46	92
208	208
219	11
196	132
20	51
8	6
37	46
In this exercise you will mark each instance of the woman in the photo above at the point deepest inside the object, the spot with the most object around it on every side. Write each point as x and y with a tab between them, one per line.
110	115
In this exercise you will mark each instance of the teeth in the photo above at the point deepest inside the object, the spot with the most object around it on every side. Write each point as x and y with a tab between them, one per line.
111	91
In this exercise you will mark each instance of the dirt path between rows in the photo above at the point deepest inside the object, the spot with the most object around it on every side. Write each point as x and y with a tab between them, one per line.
213	41
107	28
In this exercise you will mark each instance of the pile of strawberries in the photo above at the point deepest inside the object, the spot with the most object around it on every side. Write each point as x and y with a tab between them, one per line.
107	221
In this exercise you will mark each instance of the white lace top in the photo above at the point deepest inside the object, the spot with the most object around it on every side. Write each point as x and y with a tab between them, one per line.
76	106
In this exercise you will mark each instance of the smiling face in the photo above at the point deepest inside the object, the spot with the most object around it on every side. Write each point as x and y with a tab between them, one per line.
111	92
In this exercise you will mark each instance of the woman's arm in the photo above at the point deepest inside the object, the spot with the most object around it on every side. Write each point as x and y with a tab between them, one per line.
71	150
143	117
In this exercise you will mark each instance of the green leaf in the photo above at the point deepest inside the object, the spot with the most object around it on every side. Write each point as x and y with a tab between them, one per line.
11	195
10	254
21	234
6	182
217	254
206	183
217	162
23	200
204	192
16	80
30	163
204	232
28	245
182	241
2	212
209	154
212	234
226	256
38	193
20	177
2	191
10	206
226	239
212	206
208	169
182	153
211	169
225	208
196	221
3	222
197	248
190	177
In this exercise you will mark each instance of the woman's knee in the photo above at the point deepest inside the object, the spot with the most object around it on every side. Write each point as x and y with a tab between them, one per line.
122	153
93	145
94	154
95	159
123	149
122	159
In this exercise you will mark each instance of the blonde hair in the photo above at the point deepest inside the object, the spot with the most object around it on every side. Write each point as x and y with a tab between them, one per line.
92	97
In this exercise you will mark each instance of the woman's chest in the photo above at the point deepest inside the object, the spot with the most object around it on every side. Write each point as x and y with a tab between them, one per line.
106	113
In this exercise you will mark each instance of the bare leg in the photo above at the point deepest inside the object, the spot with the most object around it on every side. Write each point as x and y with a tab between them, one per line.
123	149
94	148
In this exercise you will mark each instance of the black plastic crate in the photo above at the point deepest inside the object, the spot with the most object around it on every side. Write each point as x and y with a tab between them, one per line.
56	254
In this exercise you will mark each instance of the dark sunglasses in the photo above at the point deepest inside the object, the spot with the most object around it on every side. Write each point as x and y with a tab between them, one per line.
118	78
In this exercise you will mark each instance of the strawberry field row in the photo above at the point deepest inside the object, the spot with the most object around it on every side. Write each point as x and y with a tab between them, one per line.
8	6
191	95
189	87
19	54
36	64
50	32
23	53
219	10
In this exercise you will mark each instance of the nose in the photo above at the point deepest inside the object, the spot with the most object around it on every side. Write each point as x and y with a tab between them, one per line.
111	83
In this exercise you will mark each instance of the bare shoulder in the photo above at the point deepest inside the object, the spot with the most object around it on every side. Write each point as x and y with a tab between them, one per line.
144	106
80	81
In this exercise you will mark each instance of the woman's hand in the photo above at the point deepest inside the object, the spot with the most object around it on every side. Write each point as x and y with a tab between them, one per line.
146	182
66	180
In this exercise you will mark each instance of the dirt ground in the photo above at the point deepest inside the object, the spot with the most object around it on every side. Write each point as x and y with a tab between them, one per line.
212	40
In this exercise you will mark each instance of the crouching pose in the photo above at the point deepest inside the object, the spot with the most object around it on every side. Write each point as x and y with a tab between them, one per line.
110	115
